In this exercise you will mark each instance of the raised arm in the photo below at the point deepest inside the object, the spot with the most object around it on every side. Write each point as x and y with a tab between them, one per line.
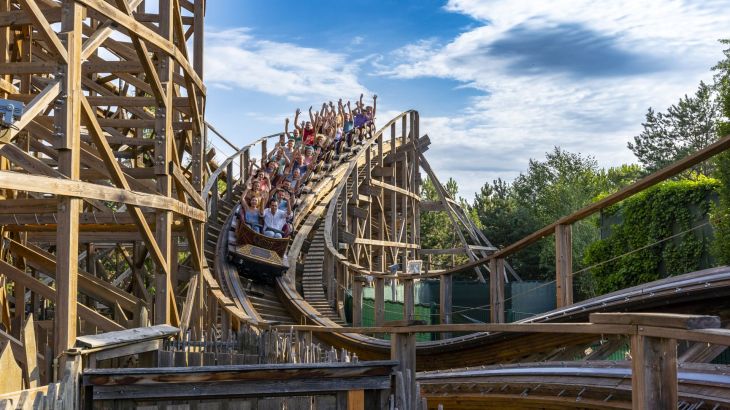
375	104
359	104
311	115
286	126
349	110
296	120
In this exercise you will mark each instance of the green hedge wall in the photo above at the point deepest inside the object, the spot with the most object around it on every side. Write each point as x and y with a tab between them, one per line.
667	209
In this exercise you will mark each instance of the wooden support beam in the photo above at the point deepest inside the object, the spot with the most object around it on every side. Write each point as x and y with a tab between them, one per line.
80	189
654	381
379	301
69	161
445	301
357	303
564	265
496	290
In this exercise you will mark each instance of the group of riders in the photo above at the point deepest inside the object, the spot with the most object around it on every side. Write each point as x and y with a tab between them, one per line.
272	192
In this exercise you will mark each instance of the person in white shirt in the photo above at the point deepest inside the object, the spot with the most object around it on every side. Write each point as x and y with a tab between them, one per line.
275	218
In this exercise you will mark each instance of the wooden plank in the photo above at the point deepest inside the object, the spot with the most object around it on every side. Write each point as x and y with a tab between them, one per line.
80	189
365	241
12	378
110	339
45	30
666	320
32	376
356	400
714	336
358	212
126	350
32	110
28	205
389	187
572	328
183	182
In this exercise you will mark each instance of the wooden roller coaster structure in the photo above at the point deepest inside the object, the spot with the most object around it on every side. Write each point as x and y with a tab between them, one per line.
114	214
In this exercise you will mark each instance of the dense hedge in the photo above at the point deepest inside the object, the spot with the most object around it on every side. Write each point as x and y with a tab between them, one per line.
650	216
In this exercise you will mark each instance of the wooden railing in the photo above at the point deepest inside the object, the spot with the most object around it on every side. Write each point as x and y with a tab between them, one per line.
653	344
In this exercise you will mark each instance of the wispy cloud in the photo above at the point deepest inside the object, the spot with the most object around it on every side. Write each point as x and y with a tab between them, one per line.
563	72
236	59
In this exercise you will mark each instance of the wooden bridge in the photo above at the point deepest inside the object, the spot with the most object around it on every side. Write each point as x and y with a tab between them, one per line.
116	290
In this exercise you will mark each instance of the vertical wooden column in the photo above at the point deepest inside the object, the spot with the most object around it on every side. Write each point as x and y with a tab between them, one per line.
393	196
403	349
408	299
246	160
68	123
264	154
369	221
496	290
415	185
564	265
653	373
163	155
379	301
357	302
198	157
445	305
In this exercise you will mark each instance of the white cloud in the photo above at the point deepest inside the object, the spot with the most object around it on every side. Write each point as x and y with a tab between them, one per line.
524	113
235	59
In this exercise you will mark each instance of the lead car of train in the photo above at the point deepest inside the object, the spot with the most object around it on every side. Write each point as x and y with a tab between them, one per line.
258	256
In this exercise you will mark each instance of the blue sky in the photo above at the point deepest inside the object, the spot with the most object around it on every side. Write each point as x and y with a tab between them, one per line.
496	81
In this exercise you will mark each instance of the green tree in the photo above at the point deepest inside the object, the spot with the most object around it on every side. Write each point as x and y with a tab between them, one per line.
686	127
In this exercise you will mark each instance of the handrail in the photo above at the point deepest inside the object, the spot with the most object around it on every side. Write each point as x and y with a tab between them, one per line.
638	186
214	176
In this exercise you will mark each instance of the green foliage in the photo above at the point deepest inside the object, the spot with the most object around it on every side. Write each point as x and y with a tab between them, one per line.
667	209
720	214
686	127
561	184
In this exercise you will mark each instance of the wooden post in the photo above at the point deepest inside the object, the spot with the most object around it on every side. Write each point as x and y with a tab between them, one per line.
408	299
356	400
229	181
379	301
403	350
264	154
563	265
496	290
653	373
246	160
357	302
163	155
445	298
69	152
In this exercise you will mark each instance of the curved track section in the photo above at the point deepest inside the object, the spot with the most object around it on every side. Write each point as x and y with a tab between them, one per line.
561	385
349	185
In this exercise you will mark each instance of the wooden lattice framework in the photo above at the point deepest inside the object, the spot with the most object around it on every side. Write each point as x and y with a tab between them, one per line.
106	163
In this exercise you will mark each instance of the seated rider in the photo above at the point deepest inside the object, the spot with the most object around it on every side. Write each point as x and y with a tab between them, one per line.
275	219
252	214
